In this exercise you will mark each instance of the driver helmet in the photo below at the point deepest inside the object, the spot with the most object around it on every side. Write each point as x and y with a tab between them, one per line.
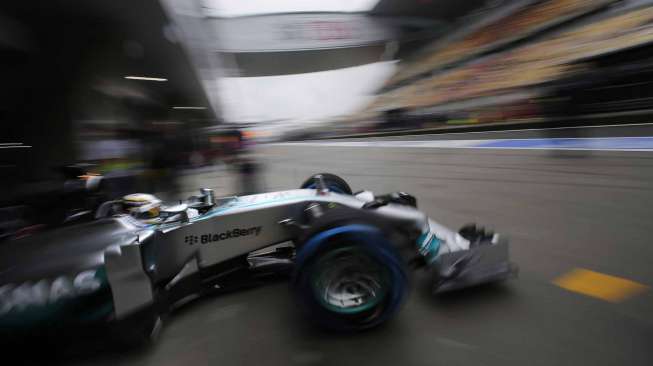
142	206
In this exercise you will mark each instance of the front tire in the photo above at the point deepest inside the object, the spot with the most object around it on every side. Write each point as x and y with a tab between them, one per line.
332	181
349	278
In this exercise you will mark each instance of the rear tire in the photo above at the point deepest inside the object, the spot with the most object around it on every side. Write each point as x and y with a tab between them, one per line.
139	330
332	181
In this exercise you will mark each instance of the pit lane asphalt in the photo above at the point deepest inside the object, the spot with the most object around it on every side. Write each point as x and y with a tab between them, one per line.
562	210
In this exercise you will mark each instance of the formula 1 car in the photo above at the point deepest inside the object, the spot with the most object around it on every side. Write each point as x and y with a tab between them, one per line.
346	255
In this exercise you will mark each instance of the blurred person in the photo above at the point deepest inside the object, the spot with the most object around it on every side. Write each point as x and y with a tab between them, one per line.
165	153
249	177
246	165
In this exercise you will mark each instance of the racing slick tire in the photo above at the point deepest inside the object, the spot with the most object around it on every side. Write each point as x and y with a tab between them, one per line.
349	277
332	181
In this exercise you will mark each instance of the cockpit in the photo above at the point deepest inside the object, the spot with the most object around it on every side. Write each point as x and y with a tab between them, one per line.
148	209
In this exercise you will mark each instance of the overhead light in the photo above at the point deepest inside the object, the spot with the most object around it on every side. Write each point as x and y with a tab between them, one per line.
13	145
188	107
147	78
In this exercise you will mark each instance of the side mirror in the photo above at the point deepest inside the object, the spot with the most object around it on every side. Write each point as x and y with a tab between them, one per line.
175	213
208	196
204	202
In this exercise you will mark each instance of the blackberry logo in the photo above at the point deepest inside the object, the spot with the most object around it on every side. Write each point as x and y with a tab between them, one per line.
226	235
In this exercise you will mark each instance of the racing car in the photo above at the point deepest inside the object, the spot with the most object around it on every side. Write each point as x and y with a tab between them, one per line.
347	256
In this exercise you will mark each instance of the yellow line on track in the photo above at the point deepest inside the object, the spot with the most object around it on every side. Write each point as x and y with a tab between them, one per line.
599	285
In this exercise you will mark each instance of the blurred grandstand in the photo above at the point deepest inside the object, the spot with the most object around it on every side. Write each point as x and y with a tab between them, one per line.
537	60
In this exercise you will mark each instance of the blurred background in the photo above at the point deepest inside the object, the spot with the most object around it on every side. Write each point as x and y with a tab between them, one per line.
533	115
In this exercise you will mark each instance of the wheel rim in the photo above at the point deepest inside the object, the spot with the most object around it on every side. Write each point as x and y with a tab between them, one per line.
348	280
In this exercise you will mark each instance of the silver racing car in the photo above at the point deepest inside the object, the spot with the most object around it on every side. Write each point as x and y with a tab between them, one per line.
346	255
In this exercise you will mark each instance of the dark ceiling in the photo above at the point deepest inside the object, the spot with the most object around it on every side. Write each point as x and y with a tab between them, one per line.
93	41
64	61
